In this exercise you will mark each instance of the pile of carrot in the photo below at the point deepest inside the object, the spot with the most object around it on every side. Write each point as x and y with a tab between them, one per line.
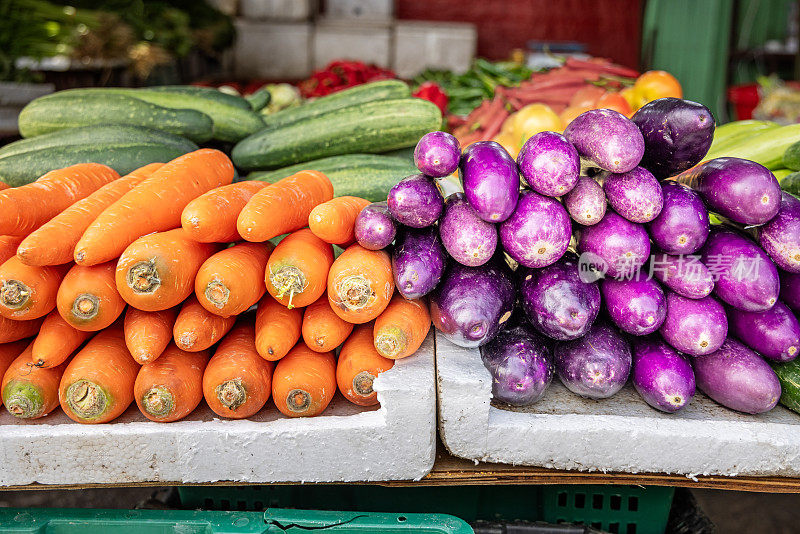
167	288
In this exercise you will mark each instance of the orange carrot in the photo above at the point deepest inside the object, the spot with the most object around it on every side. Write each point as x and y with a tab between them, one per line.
9	353
401	328
231	280
171	387
334	221
8	246
358	366
30	392
147	334
157	271
11	330
88	298
237	382
57	339
284	206
97	385
3	185
297	270
360	284
197	329
304	382
53	243
211	217
155	205
323	330
28	292
277	328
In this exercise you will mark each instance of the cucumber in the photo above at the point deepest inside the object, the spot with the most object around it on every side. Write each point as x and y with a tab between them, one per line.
373	127
789	376
368	176
360	94
204	92
766	148
791	158
780	174
259	99
791	183
733	132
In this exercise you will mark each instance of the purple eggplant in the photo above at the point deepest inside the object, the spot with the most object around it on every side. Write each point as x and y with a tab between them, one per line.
437	154
596	365
677	135
375	229
418	261
490	179
538	232
637	306
739	189
606	139
468	239
472	304
549	164
685	275
682	226
663	377
737	378
780	237
586	203
694	326
745	276
620	246
790	290
416	201
775	333
556	301
636	194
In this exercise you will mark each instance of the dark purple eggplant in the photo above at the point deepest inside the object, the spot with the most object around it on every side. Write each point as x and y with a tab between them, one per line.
538	232
663	377
586	203
549	164
621	246
375	229
677	135
636	194
606	139
685	275
682	226
437	154
416	201
418	261
490	179
775	333
468	239
637	306
790	290
694	326
780	237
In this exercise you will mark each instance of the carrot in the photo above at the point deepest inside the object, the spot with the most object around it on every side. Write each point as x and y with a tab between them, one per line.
277	328
8	246
53	243
9	353
323	330
401	328
25	208
238	381
30	392
157	271
171	387
231	280
284	206
298	269
359	364
57	339
360	284
334	221
11	330
147	334
88	298
197	329
211	217
304	382
3	185
28	292
97	385
155	205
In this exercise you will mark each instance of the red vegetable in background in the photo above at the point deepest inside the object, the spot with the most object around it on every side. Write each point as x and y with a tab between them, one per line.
432	92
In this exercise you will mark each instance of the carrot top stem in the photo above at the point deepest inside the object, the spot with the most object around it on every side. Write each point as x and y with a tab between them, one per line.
23	400
231	393
288	279
390	341
86	306
158	401
362	383
143	277
298	400
217	293
86	399
14	294
355	292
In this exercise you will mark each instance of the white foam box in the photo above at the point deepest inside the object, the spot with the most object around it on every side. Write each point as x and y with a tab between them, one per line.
347	443
360	9
272	50
440	45
619	434
365	41
296	10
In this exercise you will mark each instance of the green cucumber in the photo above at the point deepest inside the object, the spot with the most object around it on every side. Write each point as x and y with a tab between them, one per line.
373	127
791	183
734	132
205	92
766	147
789	376
791	158
259	99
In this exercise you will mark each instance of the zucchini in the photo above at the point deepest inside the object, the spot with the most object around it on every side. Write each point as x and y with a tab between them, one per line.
204	92
373	127
791	183
766	148
360	94
791	158
789	377
734	132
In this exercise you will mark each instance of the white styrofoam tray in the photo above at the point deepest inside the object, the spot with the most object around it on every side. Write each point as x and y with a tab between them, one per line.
622	434
395	441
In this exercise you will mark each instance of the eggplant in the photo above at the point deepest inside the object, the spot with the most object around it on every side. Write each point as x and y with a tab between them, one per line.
683	225
637	306
663	377
586	203
606	139
790	290
549	164
621	246
416	201
596	365
685	275
677	135
468	239
737	378
418	261
556	301
739	189
745	276
775	333
472	304
694	326
636	194
375	228
780	237
538	232
437	154
490	179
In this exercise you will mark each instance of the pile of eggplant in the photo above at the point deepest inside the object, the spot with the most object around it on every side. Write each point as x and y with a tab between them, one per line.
604	254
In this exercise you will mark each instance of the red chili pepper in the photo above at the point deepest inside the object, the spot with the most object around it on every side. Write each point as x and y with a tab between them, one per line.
432	92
